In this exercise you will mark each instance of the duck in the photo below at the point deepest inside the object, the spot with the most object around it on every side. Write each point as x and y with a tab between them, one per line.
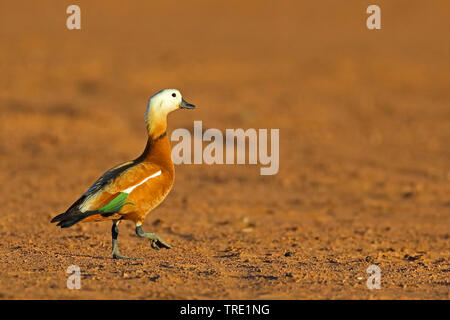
131	190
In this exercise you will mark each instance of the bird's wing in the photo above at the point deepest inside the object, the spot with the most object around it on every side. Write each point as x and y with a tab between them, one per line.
108	177
109	193
103	195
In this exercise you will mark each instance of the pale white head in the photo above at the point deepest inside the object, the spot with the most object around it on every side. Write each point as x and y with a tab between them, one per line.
160	105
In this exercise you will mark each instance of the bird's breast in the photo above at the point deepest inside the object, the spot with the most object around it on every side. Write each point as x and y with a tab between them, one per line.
150	194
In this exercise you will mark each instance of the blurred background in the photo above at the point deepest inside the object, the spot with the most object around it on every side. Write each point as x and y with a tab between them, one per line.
364	119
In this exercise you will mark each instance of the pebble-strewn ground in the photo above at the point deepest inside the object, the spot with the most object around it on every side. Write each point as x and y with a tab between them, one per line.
364	119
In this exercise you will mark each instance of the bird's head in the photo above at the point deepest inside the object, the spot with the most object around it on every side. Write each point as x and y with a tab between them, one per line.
159	106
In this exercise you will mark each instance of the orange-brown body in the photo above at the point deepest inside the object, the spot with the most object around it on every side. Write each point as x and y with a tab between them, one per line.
157	156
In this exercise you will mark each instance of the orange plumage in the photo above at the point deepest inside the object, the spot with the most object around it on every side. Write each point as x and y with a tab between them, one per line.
156	157
129	191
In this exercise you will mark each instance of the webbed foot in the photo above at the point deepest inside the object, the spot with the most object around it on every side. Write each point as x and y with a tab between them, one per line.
156	241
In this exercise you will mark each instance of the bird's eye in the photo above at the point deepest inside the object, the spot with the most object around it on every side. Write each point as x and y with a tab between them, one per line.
174	95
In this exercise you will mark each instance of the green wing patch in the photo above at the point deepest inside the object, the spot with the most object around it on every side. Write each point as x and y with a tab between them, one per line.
116	204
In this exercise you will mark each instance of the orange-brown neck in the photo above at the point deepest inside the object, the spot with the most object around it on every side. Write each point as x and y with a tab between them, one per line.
158	151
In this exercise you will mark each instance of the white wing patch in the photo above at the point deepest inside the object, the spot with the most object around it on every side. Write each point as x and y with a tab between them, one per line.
143	181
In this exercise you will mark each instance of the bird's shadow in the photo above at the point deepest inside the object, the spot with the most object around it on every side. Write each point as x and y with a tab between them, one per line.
188	237
81	256
128	261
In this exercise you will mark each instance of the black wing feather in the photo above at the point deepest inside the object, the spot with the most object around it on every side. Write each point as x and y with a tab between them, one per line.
107	177
73	214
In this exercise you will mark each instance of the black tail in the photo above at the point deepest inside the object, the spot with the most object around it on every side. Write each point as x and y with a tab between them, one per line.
71	217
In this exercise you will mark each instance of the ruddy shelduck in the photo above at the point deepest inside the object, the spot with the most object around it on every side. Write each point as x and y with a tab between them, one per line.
129	191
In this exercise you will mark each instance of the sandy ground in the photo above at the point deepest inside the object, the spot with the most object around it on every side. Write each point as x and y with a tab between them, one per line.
364	119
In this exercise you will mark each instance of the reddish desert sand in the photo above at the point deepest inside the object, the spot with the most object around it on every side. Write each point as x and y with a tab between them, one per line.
364	119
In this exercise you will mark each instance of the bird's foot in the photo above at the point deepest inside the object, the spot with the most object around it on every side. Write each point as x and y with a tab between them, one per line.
116	255
119	256
157	242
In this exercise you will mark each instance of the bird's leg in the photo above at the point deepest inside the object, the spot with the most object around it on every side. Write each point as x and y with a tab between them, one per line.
115	244
155	240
